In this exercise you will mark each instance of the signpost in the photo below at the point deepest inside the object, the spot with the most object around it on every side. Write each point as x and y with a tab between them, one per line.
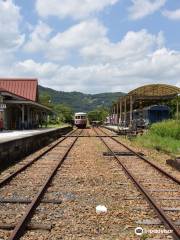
2	107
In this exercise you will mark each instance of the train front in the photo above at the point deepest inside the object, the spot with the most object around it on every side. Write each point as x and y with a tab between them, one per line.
80	120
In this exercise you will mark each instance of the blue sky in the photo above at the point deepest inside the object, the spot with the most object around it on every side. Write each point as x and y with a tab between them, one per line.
91	45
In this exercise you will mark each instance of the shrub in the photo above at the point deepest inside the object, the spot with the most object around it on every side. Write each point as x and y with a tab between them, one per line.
163	136
170	128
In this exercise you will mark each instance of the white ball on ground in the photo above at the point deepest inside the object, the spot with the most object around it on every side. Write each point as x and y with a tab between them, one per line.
100	209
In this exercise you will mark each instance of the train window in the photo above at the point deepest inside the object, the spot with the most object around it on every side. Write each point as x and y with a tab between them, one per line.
83	117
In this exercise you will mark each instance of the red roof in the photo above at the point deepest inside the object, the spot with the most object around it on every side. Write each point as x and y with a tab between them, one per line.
26	88
2	89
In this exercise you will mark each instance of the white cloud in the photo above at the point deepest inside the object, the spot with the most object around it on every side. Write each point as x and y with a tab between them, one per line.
173	15
100	65
159	66
142	8
38	38
10	36
31	68
132	47
76	9
88	39
82	34
61	45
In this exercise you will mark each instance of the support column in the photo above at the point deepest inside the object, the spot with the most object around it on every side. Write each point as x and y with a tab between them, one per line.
125	112
32	120
110	115
117	119
41	119
47	120
131	112
22	109
28	117
114	112
1	114
141	112
117	106
120	112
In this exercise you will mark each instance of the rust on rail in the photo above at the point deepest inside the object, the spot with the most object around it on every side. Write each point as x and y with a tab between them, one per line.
160	212
22	225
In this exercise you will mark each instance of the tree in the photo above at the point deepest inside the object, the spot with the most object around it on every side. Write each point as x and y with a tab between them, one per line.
64	112
173	105
98	114
45	99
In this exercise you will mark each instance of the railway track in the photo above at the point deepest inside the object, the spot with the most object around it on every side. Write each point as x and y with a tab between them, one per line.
61	198
28	184
86	180
29	163
150	180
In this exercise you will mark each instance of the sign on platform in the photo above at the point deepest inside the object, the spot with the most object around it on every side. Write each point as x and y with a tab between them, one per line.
2	106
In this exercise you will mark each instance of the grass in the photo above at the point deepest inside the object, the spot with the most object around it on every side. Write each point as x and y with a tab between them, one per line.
163	136
170	128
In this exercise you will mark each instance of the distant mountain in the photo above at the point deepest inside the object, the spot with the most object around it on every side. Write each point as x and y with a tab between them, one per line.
80	101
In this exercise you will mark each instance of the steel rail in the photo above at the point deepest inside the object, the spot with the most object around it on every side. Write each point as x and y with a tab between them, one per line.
19	170
160	212
21	226
92	136
162	171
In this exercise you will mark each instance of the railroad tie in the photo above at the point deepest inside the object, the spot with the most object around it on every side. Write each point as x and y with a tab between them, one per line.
31	226
27	201
117	153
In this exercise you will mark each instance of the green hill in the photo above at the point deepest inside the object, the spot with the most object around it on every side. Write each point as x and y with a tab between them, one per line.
79	101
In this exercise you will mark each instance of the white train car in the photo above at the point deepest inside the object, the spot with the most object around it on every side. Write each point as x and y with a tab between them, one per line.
80	120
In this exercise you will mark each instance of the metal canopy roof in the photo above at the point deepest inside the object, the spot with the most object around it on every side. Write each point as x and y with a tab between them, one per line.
152	92
155	90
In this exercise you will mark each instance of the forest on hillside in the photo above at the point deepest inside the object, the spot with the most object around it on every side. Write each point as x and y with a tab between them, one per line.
78	101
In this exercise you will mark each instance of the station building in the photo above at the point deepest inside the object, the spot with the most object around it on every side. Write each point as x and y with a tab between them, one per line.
121	113
19	106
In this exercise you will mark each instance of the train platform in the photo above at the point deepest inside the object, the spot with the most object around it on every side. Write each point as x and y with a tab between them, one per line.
11	135
15	145
116	128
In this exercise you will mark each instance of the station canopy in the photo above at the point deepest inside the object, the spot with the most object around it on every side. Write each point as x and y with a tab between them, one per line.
144	96
155	90
22	92
149	94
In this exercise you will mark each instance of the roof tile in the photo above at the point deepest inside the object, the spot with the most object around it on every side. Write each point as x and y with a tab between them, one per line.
26	88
